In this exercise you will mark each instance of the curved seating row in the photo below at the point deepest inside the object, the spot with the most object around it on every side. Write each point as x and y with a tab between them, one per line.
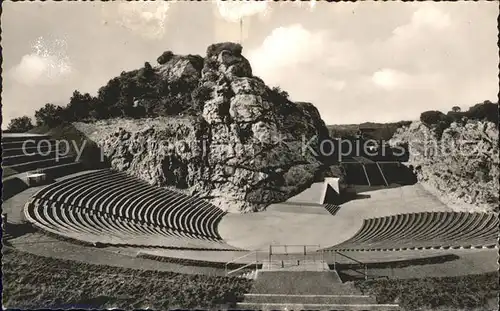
26	152
424	231
95	227
124	207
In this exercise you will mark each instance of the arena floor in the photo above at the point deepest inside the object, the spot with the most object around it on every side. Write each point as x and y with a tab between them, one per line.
298	221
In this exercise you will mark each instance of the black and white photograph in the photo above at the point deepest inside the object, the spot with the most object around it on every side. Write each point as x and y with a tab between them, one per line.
250	155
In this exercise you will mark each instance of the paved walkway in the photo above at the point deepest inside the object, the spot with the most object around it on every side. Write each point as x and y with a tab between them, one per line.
42	245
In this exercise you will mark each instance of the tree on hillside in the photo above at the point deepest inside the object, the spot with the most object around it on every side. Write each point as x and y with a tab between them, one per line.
484	111
108	97
146	74
456	116
437	120
456	109
79	107
145	91
277	90
126	100
432	117
20	125
50	115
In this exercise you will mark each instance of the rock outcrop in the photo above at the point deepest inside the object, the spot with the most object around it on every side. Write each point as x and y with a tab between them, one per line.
248	147
462	167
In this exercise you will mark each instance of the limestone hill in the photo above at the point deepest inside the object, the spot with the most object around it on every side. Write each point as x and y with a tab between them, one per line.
237	142
461	167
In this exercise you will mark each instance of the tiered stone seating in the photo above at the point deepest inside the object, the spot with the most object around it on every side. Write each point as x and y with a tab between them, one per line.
112	207
424	231
24	152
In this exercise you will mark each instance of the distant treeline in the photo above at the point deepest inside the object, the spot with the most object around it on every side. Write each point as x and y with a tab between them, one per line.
485	111
378	131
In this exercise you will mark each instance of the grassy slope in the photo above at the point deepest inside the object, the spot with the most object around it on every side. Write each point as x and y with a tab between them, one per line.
32	281
453	293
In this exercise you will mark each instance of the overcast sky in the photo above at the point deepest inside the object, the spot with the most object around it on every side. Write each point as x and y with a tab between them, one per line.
356	62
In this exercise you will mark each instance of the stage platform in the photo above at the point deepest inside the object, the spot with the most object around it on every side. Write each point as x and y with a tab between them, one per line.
302	221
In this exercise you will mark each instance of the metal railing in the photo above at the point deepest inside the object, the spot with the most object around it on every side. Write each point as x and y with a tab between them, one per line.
364	265
252	263
291	258
366	174
286	247
382	173
294	256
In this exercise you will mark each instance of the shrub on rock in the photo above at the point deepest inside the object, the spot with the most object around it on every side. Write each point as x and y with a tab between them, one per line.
165	57
215	49
432	117
485	111
436	120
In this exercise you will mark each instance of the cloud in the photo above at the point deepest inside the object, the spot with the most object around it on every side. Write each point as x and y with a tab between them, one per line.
48	64
426	17
431	16
233	11
311	4
435	55
308	64
146	19
337	85
343	54
391	79
285	48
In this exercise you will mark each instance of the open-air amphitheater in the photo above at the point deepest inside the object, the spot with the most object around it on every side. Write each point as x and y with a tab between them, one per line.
299	254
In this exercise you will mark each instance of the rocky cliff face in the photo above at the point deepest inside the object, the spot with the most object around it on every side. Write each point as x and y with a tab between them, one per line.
461	167
248	147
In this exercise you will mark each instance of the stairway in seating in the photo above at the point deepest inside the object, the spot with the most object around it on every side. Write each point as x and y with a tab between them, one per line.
355	173
312	290
375	175
332	208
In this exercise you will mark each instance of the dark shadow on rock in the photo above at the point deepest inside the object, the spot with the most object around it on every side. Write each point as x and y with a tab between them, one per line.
93	157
